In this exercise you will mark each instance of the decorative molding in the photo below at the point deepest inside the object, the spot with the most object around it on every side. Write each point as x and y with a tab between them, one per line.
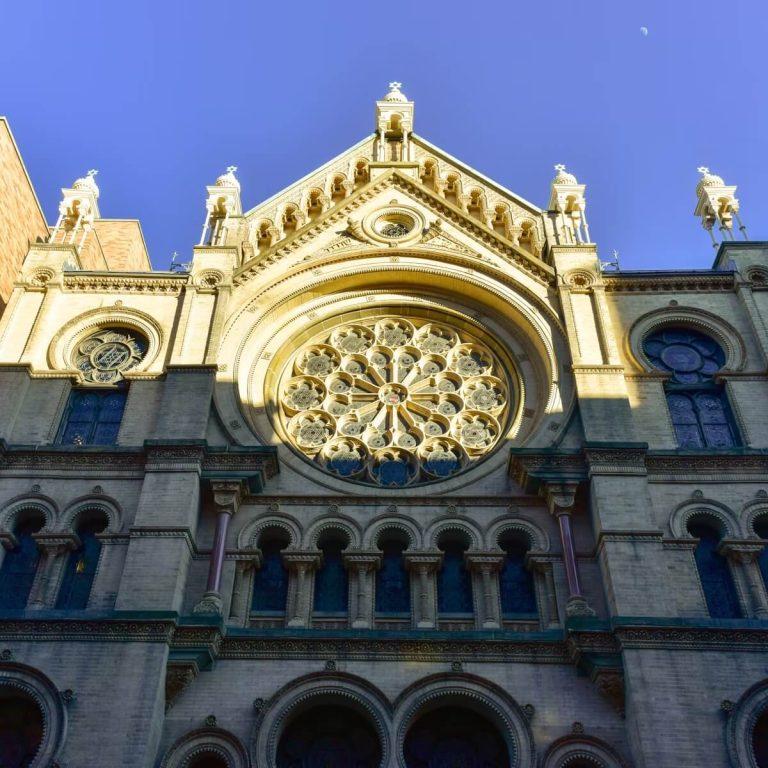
122	283
676	282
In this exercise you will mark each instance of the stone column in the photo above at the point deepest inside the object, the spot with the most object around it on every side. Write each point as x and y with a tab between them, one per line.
423	565
362	567
246	561
54	548
541	564
227	495
485	567
743	556
561	498
301	565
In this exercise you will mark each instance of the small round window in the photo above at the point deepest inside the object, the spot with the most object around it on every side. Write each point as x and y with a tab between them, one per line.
104	356
394	225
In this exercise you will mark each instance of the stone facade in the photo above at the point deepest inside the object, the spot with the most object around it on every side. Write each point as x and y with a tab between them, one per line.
395	349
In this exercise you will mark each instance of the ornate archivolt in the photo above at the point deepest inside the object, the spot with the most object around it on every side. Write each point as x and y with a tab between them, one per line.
394	401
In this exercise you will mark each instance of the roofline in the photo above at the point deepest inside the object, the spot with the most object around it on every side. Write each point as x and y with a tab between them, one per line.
472	172
304	178
7	122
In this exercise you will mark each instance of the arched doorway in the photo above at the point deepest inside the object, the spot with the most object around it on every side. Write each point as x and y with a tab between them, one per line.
21	729
454	737
329	737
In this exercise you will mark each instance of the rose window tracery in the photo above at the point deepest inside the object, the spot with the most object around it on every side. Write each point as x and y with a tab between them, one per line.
394	401
104	356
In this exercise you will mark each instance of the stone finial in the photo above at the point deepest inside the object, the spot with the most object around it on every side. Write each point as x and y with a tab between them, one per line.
567	206
88	182
563	177
228	179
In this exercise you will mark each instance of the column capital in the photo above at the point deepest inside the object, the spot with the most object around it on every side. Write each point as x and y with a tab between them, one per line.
227	495
540	561
362	560
56	543
424	559
741	551
481	561
307	559
560	496
248	557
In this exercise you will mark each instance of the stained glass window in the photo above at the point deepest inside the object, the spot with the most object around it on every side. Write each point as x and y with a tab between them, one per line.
208	761
270	581
92	417
453	736
331	583
516	581
697	404
81	566
329	737
714	572
393	591
20	564
454	583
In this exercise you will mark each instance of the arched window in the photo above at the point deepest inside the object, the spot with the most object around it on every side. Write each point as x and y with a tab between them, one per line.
761	529
331	582
207	760
270	581
393	589
82	563
452	735
21	729
454	583
329	735
760	740
697	404
20	563
518	598
92	417
714	572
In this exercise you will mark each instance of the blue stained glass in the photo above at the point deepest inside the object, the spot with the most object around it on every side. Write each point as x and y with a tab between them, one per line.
760	740
331	583
393	591
393	472
270	582
80	569
442	467
697	404
329	737
345	465
716	580
20	566
516	581
453	737
93	417
690	356
454	584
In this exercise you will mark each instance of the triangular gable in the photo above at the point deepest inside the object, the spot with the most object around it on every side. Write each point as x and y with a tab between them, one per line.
339	213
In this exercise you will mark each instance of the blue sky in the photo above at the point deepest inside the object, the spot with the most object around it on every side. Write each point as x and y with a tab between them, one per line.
161	96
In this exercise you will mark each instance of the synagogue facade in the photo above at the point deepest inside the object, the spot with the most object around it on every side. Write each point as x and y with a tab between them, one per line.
394	472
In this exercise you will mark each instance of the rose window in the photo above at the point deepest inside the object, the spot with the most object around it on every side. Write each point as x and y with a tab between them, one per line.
103	357
394	401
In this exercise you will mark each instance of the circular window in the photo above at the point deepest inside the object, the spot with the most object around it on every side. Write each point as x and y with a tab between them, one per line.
690	356
394	225
394	401
104	356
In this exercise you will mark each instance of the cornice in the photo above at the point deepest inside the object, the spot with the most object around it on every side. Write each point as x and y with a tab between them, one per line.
676	282
194	455
95	282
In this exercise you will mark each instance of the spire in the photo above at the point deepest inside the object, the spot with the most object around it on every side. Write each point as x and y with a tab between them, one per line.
568	206
394	124
716	204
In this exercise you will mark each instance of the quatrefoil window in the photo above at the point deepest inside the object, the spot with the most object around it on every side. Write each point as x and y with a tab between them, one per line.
104	356
394	401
